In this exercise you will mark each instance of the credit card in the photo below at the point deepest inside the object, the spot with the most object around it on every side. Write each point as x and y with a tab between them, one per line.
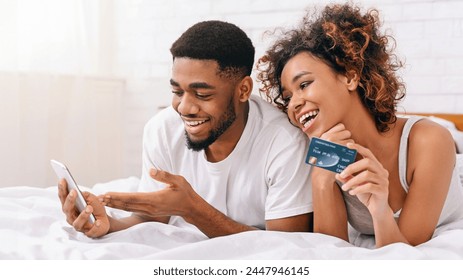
329	155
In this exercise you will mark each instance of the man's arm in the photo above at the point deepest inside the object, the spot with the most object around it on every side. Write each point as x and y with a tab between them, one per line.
178	198
213	223
124	223
303	223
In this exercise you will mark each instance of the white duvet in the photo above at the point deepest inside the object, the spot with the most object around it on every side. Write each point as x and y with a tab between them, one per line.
32	226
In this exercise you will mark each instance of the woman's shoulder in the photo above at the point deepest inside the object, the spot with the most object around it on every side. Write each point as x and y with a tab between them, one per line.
428	138
431	156
427	132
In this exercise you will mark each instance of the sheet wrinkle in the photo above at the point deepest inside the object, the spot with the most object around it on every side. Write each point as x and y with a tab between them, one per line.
32	226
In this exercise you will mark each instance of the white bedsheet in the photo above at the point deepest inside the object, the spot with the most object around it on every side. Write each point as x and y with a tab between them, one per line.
33	227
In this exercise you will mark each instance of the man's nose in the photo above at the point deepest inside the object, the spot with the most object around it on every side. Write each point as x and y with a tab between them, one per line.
188	105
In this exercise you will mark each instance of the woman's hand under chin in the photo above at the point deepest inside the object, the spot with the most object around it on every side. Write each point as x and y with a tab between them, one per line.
339	135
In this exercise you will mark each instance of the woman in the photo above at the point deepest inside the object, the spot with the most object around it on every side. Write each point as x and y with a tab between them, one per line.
336	79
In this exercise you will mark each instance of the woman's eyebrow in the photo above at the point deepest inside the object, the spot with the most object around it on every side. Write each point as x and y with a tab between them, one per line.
296	77
299	75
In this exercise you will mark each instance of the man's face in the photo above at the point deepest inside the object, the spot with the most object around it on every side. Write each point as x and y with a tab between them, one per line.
203	99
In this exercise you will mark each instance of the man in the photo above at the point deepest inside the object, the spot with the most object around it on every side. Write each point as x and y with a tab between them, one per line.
218	158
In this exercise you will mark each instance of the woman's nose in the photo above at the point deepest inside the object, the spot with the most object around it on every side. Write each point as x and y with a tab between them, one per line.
296	103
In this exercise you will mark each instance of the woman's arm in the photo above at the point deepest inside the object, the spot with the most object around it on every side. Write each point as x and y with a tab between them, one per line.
330	215
431	160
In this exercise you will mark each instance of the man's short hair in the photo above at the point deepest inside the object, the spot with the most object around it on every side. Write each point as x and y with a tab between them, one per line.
216	40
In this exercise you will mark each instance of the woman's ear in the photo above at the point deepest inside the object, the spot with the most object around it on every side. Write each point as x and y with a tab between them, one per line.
245	89
352	80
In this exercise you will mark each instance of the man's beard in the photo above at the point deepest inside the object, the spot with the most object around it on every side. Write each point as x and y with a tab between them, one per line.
225	122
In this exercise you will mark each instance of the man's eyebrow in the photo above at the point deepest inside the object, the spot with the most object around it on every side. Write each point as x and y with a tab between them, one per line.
174	83
195	85
201	85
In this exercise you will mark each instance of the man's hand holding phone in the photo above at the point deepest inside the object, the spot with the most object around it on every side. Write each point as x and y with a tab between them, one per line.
81	220
83	210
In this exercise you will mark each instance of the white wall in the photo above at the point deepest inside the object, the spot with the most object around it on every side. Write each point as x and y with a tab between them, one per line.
133	55
429	38
71	119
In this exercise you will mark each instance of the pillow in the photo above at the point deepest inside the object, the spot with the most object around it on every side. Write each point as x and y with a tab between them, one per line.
460	167
456	134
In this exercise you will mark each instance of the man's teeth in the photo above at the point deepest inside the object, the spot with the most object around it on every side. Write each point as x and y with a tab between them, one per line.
307	118
194	123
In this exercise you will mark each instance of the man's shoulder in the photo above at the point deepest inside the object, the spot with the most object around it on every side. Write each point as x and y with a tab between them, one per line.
265	110
166	124
271	118
166	117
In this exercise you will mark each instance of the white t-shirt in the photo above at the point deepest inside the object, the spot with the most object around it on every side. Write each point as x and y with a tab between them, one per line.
264	178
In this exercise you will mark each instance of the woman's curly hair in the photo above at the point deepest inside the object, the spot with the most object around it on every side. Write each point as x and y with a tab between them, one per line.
347	41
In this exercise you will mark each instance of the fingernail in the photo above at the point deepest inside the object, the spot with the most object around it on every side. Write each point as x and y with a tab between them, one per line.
153	171
87	209
97	223
71	194
100	199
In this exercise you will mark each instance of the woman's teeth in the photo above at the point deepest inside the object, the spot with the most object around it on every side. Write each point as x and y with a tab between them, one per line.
307	118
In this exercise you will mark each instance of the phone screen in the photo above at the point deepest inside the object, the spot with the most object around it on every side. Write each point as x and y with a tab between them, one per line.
63	172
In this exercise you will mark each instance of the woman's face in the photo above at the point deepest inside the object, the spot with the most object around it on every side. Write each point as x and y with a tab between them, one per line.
317	97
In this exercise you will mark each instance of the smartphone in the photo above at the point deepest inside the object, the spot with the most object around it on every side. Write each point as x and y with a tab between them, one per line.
63	172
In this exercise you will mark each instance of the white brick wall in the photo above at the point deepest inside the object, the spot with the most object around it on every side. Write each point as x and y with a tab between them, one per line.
429	37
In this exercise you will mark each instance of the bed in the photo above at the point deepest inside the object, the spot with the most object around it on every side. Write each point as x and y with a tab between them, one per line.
32	227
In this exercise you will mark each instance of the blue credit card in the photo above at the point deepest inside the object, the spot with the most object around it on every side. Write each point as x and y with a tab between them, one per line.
329	155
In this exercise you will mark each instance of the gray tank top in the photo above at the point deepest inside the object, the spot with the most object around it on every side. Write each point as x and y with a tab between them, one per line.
359	217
